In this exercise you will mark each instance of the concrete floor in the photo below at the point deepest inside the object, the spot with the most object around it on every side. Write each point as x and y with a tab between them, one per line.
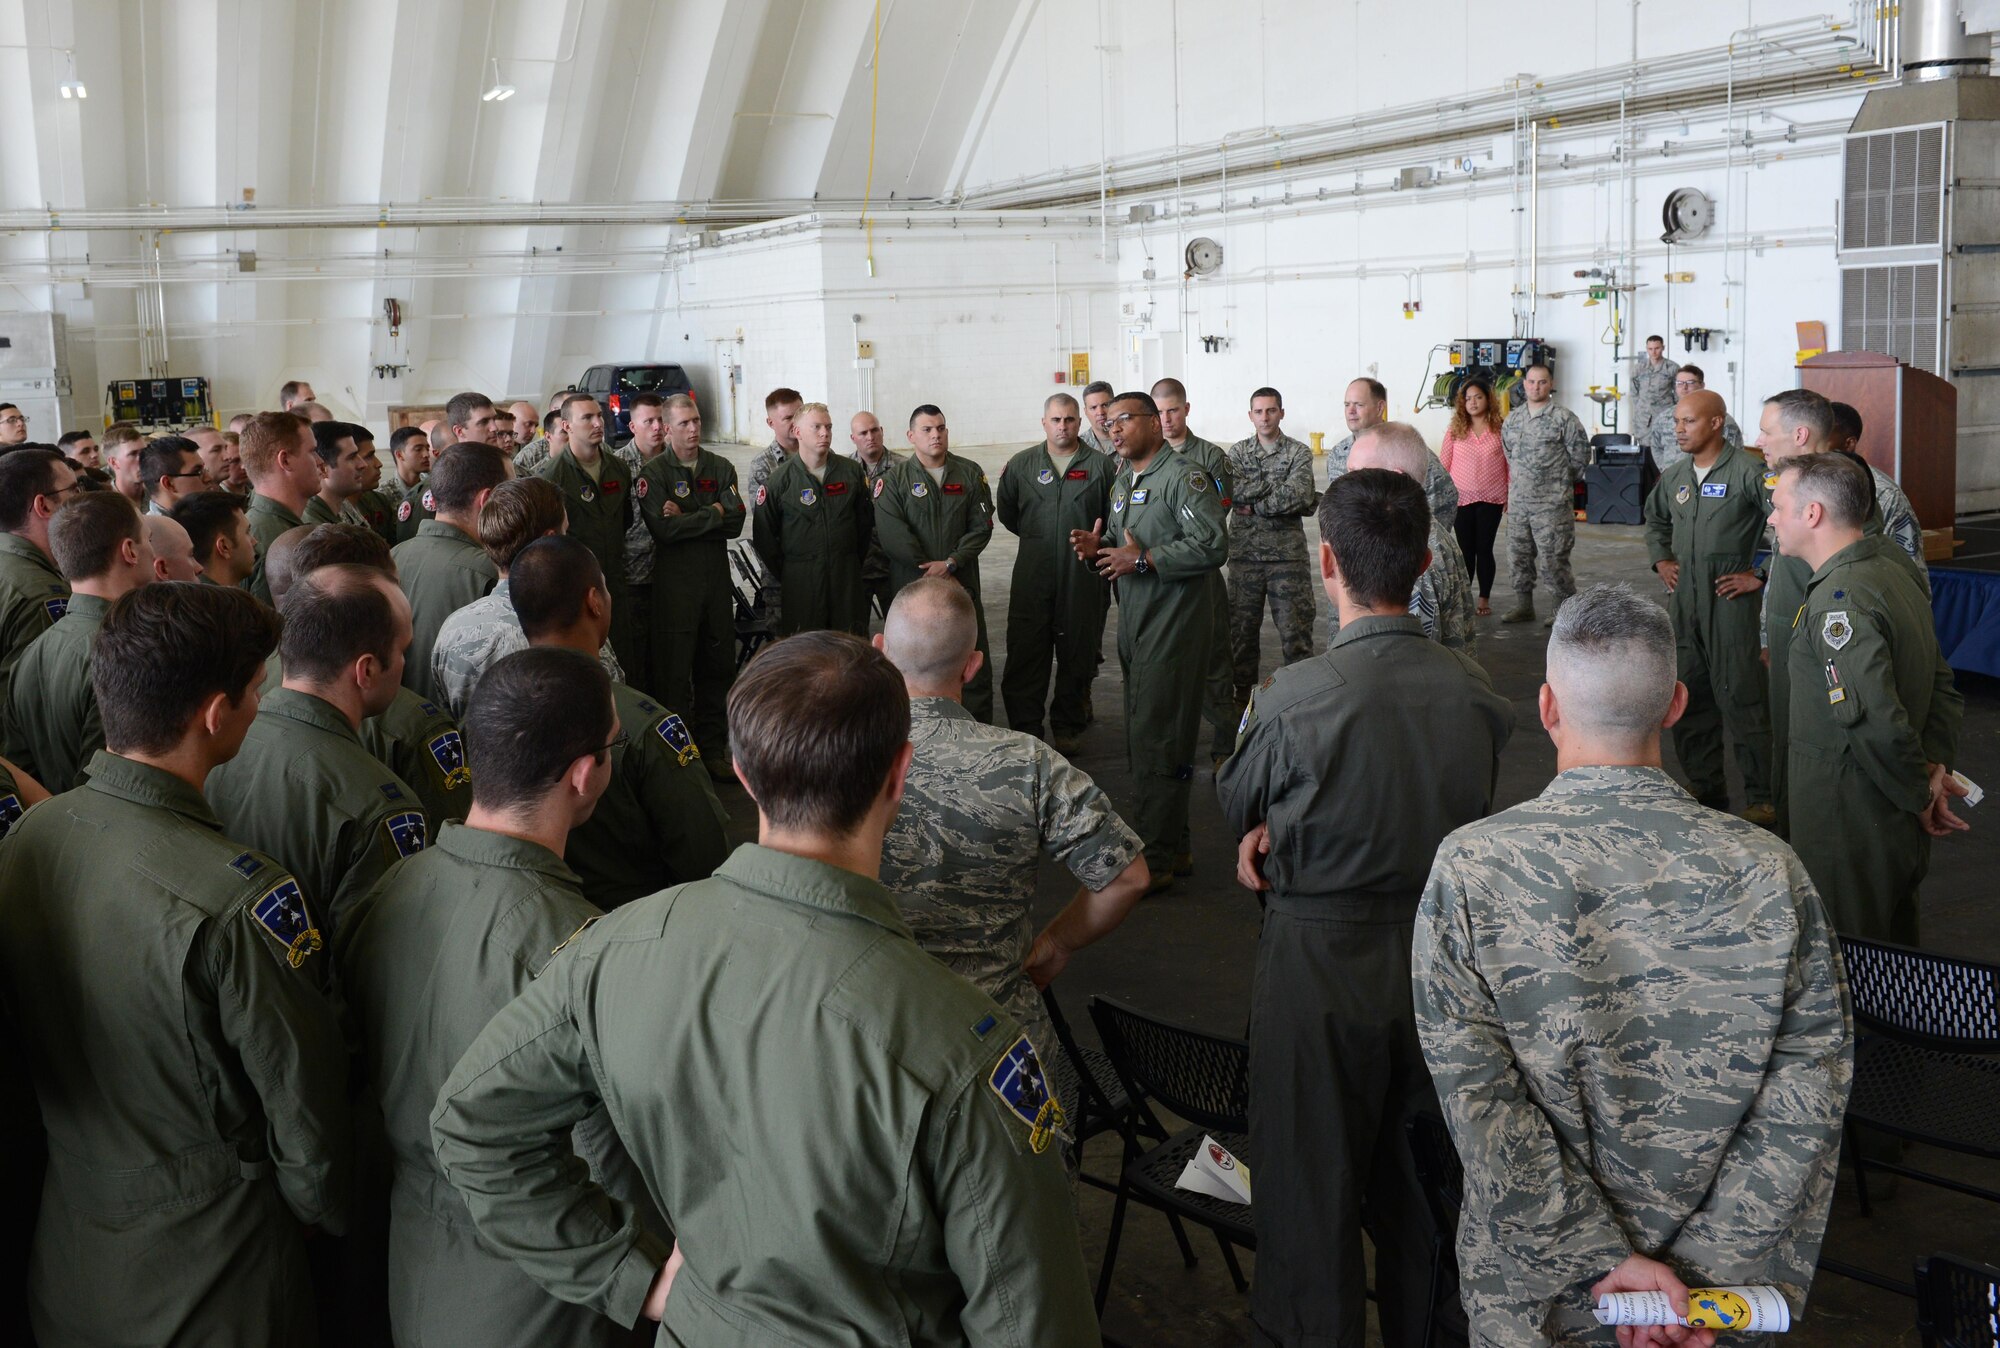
1188	955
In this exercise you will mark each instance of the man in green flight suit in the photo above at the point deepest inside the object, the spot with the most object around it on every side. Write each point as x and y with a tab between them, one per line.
934	515
33	595
53	725
1169	534
813	522
1704	524
1218	700
688	499
194	1086
660	823
443	568
303	788
1056	606
1874	713
788	976
282	459
598	492
415	739
446	940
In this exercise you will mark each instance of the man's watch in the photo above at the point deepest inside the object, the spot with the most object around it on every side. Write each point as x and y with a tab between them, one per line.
1142	566
950	567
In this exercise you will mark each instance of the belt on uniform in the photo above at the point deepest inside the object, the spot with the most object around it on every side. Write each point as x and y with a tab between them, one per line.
131	1191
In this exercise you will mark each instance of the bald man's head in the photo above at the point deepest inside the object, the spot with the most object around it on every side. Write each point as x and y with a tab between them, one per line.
1698	422
1395	445
173	550
930	635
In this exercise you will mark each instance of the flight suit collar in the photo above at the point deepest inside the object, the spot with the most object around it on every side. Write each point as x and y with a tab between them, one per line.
1862	549
87	607
439	529
814	884
21	547
127	779
265	505
1159	460
294	705
1383	625
1623	783
483	847
940	708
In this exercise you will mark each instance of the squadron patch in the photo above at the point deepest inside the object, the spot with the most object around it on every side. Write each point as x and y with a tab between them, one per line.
283	913
1681	496
760	496
1770	482
403	512
56	608
405	832
880	483
448	751
1046	476
430	502
1017	1079
1835	630
1199	480
10	812
675	732
639	488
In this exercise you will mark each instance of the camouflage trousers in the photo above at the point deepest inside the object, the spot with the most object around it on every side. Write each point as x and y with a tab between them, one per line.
1541	534
1288	590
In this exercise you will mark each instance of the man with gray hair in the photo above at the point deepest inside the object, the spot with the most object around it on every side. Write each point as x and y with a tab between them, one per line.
1443	600
1096	432
1874	715
981	806
1635	1014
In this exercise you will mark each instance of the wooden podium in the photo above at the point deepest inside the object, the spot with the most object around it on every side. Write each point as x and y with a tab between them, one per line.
1909	425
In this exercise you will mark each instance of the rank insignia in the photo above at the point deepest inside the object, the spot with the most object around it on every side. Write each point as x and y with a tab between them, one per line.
1018	1081
283	913
403	512
919	489
639	488
587	495
10	811
56	608
985	1026
1681	496
807	496
682	490
1835	630
246	864
1199	480
675	732
429	708
1046	476
448	750
430	502
406	832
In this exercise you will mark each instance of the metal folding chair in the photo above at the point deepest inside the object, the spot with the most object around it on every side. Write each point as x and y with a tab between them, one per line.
1958	1303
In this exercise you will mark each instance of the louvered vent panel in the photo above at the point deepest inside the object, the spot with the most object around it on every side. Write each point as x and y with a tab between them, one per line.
1893	310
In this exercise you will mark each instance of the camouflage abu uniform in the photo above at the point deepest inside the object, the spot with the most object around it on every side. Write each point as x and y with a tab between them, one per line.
980	807
1652	390
1899	522
476	636
1545	456
1636	1018
1440	492
1271	490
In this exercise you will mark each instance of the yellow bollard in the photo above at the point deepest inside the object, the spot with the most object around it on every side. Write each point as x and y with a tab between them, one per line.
1319	444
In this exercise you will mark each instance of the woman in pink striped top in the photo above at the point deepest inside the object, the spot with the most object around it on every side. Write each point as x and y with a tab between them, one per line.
1477	464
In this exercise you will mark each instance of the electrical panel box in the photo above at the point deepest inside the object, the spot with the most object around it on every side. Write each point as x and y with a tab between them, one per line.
159	405
1079	368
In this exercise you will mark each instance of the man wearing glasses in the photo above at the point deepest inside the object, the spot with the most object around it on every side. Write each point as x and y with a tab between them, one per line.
1168	534
13	425
170	468
33	594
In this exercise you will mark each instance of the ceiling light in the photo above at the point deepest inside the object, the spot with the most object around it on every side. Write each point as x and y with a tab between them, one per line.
74	89
499	91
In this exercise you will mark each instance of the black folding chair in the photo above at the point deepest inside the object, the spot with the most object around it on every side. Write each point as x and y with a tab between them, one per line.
748	583
1926	1065
1443	1178
1204	1079
1958	1303
1086	1081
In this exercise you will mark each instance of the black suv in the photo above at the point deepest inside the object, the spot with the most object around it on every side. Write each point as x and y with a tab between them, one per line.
614	387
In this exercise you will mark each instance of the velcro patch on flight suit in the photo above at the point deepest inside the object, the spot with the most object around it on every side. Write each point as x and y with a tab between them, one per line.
1835	630
1017	1079
282	912
675	732
10	813
448	750
56	608
1198	480
246	864
405	832
1715	490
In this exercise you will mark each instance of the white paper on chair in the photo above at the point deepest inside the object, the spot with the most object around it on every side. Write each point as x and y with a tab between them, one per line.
1739	1310
1214	1171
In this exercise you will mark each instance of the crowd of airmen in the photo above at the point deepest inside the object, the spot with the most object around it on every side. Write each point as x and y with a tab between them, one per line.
377	966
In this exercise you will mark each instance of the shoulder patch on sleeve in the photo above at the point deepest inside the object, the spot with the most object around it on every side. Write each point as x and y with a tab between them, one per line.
10	812
1198	480
406	833
448	752
1835	629
1018	1082
281	911
675	732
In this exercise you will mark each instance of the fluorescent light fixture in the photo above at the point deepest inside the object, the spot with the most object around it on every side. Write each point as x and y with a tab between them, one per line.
74	89
499	91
